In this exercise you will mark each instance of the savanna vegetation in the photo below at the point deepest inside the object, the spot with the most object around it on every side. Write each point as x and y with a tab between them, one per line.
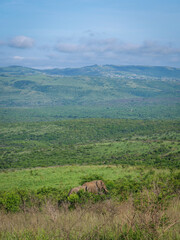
137	159
125	110
90	141
117	135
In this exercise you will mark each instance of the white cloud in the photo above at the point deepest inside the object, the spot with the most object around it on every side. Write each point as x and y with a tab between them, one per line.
18	58
21	42
68	48
92	50
114	46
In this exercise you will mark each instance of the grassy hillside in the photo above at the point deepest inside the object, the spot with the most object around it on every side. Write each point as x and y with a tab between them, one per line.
105	91
90	141
64	177
33	88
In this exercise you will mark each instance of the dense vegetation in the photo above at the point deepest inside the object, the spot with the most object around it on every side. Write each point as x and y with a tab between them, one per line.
90	141
141	110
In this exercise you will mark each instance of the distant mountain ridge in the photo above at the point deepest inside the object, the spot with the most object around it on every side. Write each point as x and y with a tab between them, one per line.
98	70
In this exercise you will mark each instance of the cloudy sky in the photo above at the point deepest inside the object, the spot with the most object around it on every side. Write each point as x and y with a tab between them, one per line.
74	33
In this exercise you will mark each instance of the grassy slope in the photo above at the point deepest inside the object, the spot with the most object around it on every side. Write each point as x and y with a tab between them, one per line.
65	177
43	90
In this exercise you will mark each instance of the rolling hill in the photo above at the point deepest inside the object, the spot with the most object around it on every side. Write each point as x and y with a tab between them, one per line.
102	91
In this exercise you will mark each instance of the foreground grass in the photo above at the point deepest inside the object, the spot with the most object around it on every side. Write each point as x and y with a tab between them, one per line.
105	220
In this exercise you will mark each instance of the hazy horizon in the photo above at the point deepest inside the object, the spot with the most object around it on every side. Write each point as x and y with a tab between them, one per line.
44	68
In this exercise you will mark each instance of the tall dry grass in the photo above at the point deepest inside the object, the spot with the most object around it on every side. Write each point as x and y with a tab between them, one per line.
103	220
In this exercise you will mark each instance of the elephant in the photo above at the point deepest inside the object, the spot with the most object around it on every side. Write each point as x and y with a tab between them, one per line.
77	189
96	186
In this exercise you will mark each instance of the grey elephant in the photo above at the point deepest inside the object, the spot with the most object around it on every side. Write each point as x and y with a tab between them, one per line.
96	186
77	189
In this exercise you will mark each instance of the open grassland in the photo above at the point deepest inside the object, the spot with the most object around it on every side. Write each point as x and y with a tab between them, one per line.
90	141
65	177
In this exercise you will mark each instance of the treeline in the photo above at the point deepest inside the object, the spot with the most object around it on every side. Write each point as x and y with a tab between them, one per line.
119	109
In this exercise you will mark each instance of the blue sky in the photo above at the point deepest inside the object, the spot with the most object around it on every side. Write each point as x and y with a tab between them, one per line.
74	33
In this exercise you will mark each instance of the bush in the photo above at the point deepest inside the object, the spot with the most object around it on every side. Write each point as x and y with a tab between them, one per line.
10	201
91	178
83	198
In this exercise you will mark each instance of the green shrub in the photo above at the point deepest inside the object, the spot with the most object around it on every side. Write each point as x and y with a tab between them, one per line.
82	198
10	201
91	178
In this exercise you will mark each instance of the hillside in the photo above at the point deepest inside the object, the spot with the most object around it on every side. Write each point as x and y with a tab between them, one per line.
102	91
90	141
